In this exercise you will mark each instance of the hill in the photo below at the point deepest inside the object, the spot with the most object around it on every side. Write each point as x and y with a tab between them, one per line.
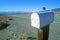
56	10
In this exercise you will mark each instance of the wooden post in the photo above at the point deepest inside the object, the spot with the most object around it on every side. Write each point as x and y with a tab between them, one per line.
40	34
46	32
43	33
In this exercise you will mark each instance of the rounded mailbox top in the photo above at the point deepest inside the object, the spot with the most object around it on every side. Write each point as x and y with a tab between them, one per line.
45	11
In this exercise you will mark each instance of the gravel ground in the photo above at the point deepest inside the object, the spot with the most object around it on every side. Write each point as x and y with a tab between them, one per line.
20	24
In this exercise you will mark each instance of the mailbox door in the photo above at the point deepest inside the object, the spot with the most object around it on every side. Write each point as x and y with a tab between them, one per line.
35	20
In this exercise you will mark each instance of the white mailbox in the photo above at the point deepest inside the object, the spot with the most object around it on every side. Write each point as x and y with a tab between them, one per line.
41	19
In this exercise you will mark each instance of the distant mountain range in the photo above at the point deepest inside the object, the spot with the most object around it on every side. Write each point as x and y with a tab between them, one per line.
9	12
56	9
13	12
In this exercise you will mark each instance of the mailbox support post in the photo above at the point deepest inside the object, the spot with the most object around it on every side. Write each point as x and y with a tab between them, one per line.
40	34
43	33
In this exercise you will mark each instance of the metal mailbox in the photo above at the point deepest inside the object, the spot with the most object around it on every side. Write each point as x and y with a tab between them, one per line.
40	19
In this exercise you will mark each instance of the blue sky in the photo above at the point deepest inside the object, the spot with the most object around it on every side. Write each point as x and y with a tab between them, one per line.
28	5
